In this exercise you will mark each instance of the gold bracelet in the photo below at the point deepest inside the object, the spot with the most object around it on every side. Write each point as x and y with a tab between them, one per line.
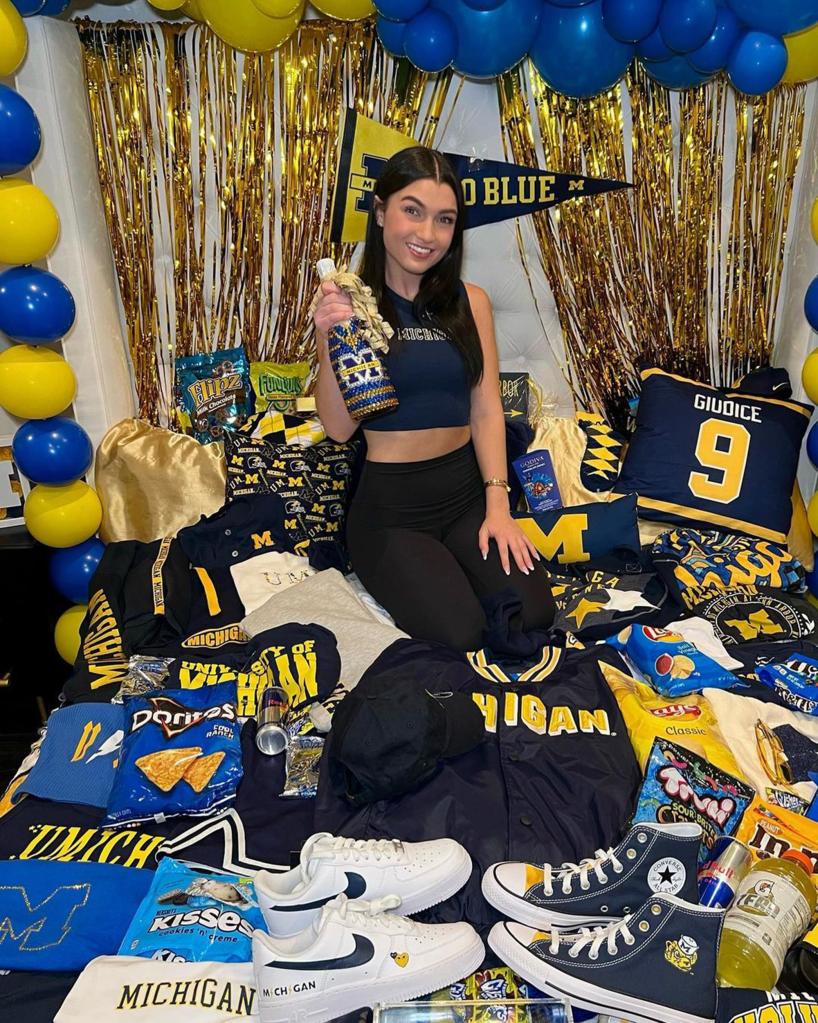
495	482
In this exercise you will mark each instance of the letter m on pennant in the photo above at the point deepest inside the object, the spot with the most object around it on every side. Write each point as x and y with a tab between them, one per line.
35	927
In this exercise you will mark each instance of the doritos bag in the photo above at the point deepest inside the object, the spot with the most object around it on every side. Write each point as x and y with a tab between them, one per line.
194	916
689	722
771	830
674	666
181	754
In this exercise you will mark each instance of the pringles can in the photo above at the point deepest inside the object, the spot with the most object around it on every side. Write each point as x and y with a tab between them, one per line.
720	876
271	736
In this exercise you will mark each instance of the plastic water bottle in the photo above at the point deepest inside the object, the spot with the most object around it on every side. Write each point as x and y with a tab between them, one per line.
773	906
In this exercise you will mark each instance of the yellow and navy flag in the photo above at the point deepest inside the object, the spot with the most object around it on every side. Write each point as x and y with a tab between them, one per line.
493	190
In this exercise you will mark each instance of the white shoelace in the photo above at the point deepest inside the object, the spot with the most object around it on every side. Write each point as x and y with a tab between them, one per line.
568	871
592	938
361	849
366	910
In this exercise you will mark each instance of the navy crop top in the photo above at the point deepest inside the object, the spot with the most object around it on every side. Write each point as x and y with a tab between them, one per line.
429	376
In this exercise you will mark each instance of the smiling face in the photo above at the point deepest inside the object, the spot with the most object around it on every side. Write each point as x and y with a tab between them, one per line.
418	225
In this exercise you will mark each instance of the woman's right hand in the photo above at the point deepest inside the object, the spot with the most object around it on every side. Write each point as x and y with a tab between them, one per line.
333	306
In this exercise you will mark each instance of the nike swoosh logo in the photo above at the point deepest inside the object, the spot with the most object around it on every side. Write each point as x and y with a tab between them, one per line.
356	886
362	953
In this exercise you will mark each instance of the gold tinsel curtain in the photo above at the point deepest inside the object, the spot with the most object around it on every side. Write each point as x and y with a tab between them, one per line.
217	171
686	270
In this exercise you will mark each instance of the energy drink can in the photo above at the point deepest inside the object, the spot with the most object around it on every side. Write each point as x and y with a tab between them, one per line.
720	876
271	737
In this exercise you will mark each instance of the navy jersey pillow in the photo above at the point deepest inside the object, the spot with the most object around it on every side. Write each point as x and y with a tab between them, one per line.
583	532
713	457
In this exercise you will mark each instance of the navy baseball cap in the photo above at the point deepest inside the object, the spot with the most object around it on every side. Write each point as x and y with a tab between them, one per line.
389	740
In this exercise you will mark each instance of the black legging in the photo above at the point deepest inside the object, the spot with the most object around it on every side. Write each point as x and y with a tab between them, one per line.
412	536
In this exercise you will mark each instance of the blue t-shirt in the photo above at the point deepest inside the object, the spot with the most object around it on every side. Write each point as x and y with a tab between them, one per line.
60	916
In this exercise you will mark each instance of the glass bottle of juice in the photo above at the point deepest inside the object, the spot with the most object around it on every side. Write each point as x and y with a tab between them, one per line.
772	908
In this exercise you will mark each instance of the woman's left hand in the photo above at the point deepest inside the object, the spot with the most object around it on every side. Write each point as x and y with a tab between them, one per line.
510	539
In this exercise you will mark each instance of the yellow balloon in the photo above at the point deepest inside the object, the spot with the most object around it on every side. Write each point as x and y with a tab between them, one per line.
277	8
67	632
62	516
167	5
29	224
802	55
242	25
13	38
812	513
192	9
35	383
345	10
809	376
815	220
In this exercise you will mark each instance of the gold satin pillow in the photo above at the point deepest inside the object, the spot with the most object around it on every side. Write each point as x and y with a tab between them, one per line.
153	482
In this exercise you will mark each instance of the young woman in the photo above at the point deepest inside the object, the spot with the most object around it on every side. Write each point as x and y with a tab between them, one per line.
429	530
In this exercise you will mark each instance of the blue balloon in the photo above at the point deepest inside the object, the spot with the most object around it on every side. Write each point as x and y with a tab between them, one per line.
391	34
490	43
778	17
54	7
675	73
483	5
631	20
430	41
653	47
400	10
72	568
20	136
811	304
54	451
575	54
569	3
757	63
812	444
686	25
714	54
28	7
36	308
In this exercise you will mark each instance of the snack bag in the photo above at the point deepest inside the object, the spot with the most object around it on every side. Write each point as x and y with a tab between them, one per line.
181	754
793	683
212	393
690	722
277	384
680	787
194	916
674	666
771	830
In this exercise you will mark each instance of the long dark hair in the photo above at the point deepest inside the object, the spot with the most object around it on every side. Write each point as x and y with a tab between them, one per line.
441	300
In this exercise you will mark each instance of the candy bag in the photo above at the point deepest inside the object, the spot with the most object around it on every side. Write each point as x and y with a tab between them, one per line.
680	787
194	916
212	393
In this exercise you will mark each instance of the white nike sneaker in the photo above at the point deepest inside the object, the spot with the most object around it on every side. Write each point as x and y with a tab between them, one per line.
420	873
355	955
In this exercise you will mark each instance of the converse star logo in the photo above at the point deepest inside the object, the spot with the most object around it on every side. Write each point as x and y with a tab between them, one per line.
667	876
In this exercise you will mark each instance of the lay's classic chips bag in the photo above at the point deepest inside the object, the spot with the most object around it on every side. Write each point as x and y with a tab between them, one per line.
689	721
181	754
